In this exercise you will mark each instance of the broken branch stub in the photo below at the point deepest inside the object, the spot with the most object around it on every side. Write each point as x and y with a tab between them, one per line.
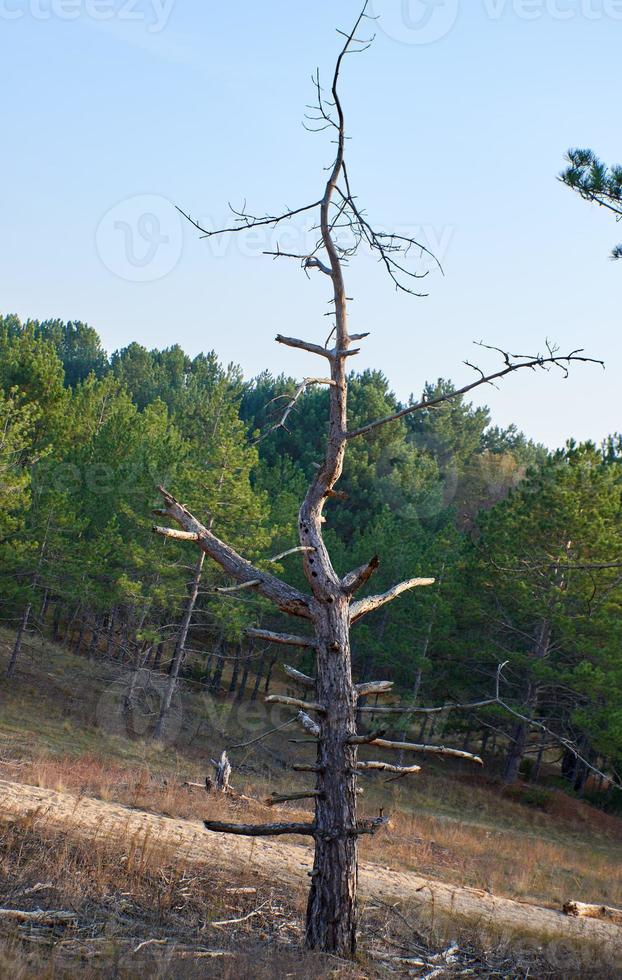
259	830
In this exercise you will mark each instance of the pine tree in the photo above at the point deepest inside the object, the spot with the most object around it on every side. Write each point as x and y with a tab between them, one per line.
594	181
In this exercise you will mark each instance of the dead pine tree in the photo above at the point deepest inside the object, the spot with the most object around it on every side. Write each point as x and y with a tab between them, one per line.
327	711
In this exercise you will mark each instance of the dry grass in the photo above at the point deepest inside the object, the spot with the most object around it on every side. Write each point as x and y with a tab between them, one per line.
548	872
140	913
502	861
137	894
447	823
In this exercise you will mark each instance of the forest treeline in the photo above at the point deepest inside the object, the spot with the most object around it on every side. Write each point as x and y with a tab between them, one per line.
525	544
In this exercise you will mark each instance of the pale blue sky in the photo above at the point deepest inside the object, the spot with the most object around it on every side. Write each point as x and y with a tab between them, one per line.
459	114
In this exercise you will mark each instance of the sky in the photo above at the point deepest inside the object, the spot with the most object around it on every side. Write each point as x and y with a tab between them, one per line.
459	116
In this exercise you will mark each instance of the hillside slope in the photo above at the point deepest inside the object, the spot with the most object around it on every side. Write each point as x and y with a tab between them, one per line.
185	841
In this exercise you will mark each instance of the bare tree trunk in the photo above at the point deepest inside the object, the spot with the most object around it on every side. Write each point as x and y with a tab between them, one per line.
207	670
518	746
148	654
258	677
96	627
17	646
236	670
81	633
222	768
417	684
123	642
56	622
220	666
535	776
516	752
44	606
245	672
271	664
180	647
111	631
331	907
69	628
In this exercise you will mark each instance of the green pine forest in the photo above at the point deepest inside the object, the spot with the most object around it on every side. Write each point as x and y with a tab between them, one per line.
525	544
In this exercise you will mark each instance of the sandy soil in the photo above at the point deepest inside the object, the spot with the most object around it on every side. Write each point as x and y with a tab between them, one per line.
283	860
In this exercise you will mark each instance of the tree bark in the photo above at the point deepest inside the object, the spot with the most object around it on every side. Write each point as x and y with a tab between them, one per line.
331	907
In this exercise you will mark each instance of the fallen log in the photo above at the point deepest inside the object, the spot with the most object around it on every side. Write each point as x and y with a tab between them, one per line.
40	917
593	912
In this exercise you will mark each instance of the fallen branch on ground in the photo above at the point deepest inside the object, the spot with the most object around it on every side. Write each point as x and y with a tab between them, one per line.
593	912
40	917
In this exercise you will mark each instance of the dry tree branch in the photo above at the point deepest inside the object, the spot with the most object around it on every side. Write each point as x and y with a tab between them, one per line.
369	604
284	596
307	723
171	532
290	551
512	362
384	743
356	579
291	404
246	220
259	830
373	687
296	703
299	677
415	709
243	745
387	767
226	589
276	798
304	345
566	743
286	639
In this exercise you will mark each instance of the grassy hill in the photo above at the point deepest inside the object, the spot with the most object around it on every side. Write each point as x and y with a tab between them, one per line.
64	725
